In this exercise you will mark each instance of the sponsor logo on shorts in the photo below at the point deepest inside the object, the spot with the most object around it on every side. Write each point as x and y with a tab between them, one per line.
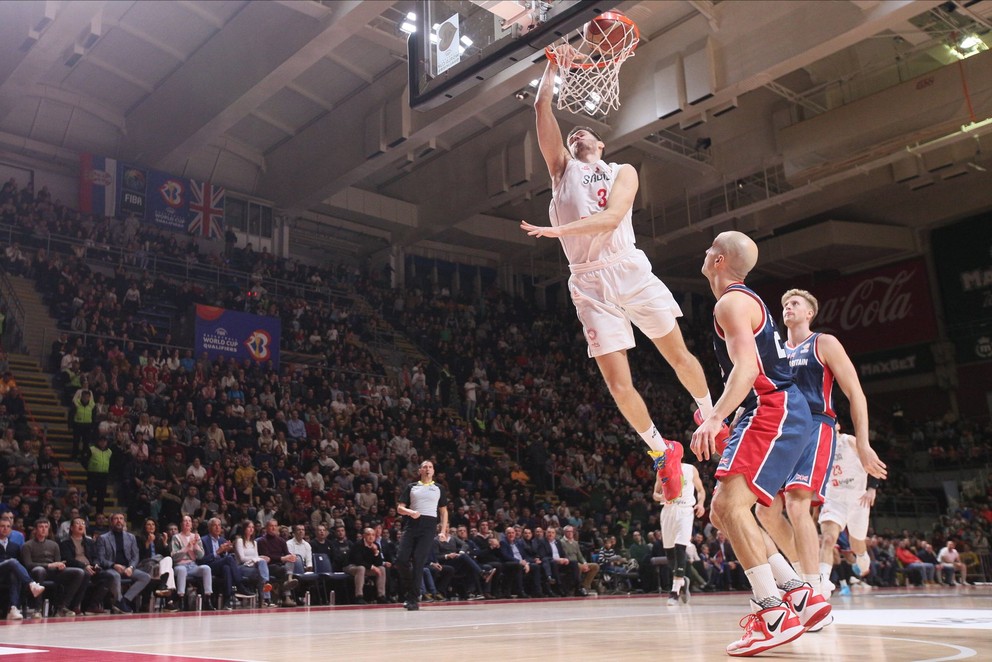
802	477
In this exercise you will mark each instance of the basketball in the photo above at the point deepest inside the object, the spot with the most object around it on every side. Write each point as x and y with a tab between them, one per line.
609	33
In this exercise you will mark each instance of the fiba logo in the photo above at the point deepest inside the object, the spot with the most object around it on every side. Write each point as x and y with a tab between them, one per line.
258	345
172	192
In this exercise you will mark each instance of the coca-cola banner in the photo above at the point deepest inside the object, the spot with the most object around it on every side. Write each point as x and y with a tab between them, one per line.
871	310
963	255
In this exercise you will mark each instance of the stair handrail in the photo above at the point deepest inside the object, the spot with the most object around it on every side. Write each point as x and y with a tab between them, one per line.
13	303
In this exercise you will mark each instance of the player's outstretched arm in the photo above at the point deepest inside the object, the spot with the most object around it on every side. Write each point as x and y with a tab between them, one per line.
832	352
548	132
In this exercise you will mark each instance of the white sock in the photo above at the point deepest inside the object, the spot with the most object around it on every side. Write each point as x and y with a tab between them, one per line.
677	584
863	561
814	581
705	404
825	570
781	569
763	583
653	438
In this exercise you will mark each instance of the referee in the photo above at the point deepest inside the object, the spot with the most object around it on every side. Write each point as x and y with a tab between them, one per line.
421	502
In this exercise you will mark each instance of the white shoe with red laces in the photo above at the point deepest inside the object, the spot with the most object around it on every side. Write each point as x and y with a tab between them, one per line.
811	606
765	629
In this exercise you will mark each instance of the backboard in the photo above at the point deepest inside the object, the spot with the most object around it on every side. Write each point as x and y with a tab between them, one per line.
454	45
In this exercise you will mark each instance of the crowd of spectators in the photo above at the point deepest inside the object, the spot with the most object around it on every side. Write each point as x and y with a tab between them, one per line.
509	408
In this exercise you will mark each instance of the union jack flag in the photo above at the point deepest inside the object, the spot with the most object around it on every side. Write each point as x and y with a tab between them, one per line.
206	209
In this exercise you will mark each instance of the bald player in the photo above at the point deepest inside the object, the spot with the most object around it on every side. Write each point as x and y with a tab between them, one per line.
767	442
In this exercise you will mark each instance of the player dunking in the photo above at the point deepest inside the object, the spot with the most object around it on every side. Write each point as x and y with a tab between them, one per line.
767	441
612	285
676	527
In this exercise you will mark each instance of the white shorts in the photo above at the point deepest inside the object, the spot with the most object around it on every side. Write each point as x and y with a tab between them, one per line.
620	292
849	513
676	525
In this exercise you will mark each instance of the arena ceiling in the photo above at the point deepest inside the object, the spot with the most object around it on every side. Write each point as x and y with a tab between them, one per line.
810	138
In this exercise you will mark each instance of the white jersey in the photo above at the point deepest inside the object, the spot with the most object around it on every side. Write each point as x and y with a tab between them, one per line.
583	190
848	479
688	495
677	515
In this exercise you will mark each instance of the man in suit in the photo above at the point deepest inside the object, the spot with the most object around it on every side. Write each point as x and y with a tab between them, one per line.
557	564
79	551
725	560
15	572
117	551
515	563
218	553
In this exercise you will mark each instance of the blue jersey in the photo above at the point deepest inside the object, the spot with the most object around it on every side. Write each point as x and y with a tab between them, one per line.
774	373
813	377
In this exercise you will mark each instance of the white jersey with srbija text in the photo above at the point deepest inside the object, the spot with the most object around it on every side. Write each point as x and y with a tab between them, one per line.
584	190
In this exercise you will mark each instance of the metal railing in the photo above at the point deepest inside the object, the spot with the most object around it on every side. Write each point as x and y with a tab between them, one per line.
14	311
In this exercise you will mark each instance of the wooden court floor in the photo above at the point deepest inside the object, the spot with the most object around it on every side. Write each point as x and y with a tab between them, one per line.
896	625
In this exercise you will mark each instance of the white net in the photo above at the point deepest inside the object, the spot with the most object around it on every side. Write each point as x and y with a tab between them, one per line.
589	63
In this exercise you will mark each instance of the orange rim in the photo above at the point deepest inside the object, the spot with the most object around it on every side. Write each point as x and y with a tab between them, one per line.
611	15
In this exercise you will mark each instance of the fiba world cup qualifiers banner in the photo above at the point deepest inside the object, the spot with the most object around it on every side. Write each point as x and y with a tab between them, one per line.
111	188
228	334
963	255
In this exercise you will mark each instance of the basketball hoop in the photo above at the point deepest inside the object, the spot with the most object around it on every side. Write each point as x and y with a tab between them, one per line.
590	69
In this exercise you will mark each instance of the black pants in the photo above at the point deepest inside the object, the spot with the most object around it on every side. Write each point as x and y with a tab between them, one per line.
414	548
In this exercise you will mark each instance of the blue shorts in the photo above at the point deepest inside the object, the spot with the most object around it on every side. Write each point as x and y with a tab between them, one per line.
813	467
767	443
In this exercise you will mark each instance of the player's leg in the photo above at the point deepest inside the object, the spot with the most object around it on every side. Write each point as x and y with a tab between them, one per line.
772	519
772	621
857	534
797	505
686	366
665	454
829	532
651	307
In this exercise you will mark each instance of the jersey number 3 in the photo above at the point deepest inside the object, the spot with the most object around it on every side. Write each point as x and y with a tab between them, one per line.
601	194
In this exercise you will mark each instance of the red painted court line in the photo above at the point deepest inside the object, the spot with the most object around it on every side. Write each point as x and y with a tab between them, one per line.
45	653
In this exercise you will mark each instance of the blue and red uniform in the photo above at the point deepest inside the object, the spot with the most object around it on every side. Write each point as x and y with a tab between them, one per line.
816	382
773	432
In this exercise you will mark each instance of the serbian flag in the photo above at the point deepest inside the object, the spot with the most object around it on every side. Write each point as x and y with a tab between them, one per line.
206	209
98	185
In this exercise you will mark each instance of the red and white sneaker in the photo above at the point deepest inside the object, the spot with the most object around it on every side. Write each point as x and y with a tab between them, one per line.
721	437
822	624
811	606
669	468
765	629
